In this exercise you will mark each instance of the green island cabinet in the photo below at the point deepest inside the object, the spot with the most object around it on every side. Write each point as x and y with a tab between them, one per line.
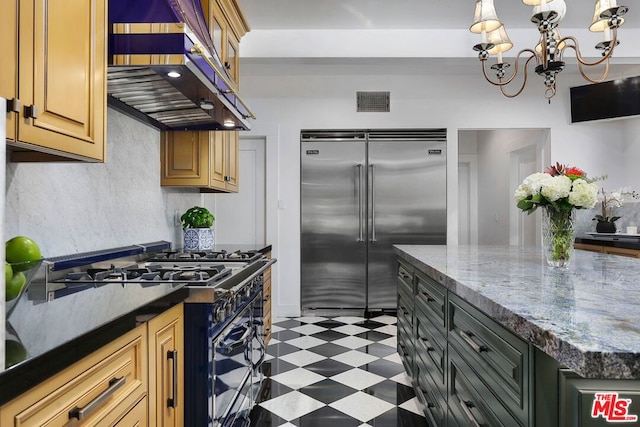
468	370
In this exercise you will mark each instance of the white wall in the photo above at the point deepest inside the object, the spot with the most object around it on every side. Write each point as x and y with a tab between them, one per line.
76	207
291	95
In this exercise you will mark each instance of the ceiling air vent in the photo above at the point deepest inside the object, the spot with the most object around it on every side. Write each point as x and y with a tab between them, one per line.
373	102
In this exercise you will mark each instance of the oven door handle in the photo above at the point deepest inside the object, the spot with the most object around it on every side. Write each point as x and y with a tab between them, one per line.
229	347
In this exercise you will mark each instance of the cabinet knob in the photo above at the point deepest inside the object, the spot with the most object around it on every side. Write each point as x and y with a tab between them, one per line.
31	111
227	65
13	105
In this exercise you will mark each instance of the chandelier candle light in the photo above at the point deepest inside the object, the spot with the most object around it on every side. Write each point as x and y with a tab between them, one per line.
549	52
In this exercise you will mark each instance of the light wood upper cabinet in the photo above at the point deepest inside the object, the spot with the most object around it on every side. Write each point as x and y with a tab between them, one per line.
166	368
204	159
55	78
185	158
9	61
227	26
224	159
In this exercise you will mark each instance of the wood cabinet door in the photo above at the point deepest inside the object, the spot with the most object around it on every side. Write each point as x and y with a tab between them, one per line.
185	158
9	59
232	160
62	80
217	28
231	60
218	161
166	368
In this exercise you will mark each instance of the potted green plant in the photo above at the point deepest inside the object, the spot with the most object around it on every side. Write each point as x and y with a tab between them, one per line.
197	223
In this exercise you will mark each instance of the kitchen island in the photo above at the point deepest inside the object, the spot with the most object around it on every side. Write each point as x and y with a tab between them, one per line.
516	342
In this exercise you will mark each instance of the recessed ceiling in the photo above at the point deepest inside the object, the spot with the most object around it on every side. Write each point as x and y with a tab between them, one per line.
403	14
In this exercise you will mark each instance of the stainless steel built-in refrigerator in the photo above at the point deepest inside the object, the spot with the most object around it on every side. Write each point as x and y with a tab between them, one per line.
363	192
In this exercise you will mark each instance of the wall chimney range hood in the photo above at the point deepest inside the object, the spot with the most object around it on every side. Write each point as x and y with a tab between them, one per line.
164	71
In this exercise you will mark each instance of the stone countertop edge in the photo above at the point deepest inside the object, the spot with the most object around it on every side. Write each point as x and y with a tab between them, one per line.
614	363
28	374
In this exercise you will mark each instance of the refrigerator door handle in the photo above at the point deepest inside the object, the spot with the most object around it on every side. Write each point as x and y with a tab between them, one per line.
360	207
373	203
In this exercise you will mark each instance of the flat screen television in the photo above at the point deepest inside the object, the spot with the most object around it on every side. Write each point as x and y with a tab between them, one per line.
606	100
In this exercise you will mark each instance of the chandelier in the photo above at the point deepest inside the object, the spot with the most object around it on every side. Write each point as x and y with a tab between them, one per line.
549	52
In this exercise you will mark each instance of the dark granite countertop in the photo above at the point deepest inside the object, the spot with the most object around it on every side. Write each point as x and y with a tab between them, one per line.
613	240
586	316
58	333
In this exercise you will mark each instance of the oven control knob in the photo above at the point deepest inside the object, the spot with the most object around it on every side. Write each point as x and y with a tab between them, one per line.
220	313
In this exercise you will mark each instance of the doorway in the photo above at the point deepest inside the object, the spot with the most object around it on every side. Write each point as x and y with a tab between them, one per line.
240	217
491	165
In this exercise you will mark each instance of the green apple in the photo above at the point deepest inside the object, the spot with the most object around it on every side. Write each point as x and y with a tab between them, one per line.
14	352
8	271
14	285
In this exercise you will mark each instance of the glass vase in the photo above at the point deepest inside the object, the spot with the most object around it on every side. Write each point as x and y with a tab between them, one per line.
558	233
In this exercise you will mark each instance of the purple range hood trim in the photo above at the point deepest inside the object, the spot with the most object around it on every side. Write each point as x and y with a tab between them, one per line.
188	12
137	11
141	44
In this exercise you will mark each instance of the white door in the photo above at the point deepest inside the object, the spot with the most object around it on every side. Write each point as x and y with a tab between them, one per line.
240	217
525	229
467	199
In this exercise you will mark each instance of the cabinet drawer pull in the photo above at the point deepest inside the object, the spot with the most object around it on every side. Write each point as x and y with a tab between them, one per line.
468	338
172	402
31	111
428	297
114	385
13	105
404	275
427	344
429	404
467	407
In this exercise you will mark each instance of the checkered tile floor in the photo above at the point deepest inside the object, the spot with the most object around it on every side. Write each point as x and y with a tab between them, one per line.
341	371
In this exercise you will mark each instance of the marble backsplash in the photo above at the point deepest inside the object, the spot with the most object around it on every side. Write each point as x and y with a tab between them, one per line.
629	213
72	207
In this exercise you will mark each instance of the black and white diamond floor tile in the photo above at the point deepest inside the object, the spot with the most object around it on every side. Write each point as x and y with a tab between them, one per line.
341	371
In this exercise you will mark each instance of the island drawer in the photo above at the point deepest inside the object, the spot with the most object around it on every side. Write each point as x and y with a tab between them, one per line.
431	297
405	348
431	345
471	402
429	394
500	358
405	277
405	308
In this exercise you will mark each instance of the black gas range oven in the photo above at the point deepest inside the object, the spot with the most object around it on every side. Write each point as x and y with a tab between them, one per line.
224	346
